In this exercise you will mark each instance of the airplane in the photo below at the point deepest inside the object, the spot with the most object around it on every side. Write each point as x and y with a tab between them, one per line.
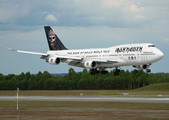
140	56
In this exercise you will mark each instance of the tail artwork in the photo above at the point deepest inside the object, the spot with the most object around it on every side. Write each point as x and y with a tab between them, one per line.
53	41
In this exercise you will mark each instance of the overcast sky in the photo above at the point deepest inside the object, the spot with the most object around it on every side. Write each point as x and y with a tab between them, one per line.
79	24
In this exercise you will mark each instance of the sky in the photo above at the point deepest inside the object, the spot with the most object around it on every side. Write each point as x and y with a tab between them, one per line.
80	24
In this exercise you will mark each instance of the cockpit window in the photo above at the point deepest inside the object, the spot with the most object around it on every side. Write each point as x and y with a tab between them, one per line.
151	46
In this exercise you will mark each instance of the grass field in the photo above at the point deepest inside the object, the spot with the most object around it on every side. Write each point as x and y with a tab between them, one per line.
45	110
157	86
85	92
153	89
83	110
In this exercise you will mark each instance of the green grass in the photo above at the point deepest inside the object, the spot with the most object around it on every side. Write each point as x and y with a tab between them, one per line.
87	104
85	92
45	110
156	86
153	89
38	110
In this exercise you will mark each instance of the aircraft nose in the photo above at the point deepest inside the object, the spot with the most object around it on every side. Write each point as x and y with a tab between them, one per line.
160	54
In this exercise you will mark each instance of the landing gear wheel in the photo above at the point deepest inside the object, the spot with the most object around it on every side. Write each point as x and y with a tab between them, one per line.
116	73
94	71
148	70
104	72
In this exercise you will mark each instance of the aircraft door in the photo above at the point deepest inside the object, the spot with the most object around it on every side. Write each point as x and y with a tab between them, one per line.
138	57
145	58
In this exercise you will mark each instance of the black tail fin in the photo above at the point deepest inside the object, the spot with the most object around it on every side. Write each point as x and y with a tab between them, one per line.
53	41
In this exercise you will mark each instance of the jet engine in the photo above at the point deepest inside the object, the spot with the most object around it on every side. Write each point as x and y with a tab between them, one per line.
140	67
54	60
90	64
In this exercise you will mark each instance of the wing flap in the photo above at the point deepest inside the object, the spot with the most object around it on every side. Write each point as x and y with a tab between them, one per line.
105	60
76	63
69	57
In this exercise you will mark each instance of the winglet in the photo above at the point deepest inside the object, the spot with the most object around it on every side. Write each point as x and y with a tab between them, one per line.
10	48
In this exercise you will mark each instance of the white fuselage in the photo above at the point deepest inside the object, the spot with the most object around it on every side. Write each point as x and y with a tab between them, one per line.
126	55
140	56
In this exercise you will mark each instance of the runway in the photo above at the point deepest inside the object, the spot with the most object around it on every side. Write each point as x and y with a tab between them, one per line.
87	98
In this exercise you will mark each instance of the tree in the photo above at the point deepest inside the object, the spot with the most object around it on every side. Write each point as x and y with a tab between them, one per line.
38	76
41	78
98	82
21	76
9	76
32	84
1	76
3	85
107	84
49	84
23	84
129	80
13	83
144	79
27	76
81	84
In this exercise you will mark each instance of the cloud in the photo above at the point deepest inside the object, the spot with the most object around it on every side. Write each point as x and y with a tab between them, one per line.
9	13
110	13
134	8
164	39
139	18
51	18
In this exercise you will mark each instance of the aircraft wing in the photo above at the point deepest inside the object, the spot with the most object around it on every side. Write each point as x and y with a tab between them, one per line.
68	57
74	60
28	52
44	55
82	60
103	60
80	63
106	60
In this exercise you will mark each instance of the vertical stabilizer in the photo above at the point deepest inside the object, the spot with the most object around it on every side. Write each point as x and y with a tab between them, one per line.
53	41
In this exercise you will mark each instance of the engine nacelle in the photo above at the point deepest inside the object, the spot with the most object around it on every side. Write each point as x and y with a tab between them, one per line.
90	64
140	67
54	60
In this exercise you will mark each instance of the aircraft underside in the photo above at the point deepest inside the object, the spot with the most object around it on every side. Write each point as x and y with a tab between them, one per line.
116	73
101	68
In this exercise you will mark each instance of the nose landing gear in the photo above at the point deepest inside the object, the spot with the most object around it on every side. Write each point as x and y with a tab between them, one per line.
148	70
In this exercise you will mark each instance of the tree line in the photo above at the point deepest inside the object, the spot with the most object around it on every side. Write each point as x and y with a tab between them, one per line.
81	81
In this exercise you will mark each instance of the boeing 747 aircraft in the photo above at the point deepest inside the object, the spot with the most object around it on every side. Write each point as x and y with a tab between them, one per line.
140	56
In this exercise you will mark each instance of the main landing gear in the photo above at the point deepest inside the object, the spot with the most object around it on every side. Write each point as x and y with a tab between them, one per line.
117	71
95	71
